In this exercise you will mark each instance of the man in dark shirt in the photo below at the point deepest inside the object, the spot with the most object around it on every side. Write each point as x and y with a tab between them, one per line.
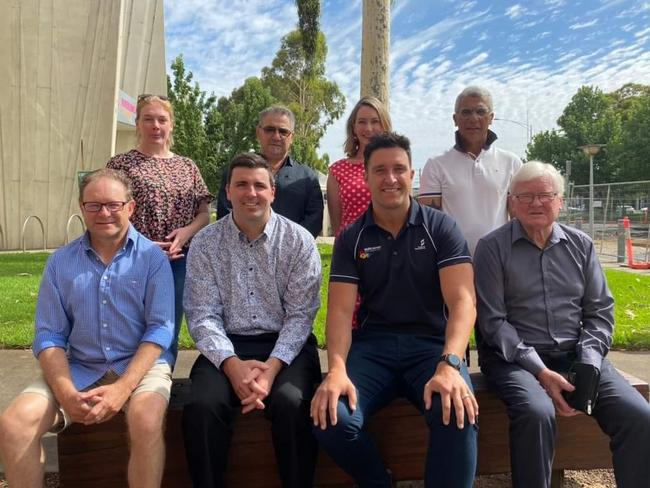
298	196
543	304
412	269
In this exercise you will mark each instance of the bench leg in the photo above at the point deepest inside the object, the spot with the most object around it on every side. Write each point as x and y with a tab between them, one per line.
557	478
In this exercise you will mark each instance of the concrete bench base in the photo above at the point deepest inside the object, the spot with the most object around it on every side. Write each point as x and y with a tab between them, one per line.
97	456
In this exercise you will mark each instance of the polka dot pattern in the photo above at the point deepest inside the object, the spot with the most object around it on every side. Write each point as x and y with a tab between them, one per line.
353	191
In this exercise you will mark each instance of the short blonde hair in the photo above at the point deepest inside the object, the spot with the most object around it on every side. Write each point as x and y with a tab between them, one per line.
145	100
351	145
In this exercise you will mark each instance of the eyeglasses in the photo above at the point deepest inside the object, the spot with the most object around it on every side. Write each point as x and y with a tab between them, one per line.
270	130
529	198
94	207
466	113
145	96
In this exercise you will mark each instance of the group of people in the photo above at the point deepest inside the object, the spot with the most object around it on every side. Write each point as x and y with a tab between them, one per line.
406	280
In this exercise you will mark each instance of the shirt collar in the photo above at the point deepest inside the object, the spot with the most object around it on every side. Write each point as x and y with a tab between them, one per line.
131	236
269	229
491	137
414	218
557	233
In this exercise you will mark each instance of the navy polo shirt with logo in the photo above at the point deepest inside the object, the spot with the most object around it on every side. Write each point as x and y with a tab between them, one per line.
398	278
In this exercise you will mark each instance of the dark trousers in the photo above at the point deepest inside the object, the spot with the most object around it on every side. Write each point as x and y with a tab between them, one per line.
621	412
385	365
208	418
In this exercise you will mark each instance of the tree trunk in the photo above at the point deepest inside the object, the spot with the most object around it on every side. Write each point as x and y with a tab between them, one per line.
375	50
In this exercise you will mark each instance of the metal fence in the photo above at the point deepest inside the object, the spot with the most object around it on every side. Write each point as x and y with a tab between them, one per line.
612	202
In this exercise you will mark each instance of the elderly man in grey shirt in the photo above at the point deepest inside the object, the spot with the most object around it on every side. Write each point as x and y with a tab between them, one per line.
543	304
251	295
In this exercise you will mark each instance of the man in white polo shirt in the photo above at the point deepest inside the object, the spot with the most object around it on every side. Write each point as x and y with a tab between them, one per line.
470	181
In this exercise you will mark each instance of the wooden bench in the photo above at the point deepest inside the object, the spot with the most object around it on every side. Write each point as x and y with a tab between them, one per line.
97	456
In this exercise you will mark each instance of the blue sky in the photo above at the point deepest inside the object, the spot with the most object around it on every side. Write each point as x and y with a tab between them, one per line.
531	55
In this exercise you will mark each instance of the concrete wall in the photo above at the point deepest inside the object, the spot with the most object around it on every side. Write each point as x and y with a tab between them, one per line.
62	64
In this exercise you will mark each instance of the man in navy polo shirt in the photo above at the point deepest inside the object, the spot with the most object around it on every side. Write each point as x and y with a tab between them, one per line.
412	268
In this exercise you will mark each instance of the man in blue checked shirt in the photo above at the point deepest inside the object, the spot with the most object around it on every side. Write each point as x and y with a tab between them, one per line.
251	294
104	325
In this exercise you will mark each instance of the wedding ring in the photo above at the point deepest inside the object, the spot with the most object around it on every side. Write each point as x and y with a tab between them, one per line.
465	396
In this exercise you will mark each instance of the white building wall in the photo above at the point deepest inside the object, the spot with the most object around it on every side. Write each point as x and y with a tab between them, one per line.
62	64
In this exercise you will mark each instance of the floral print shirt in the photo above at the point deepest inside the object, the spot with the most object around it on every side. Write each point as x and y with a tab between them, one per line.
167	191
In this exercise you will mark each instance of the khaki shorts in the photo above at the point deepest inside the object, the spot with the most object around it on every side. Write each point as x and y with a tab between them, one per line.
158	380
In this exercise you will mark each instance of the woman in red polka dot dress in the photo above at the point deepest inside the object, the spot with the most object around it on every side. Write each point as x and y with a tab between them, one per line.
347	194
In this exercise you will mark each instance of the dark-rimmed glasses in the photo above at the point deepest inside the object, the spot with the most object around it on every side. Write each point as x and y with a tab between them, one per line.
94	207
529	198
270	130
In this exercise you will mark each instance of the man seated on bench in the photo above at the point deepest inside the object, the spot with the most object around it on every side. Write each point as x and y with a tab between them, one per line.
104	325
412	268
251	294
543	304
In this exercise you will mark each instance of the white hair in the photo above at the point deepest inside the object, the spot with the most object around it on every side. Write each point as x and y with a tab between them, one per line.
474	91
536	169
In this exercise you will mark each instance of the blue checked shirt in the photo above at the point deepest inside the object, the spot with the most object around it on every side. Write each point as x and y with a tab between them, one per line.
102	313
237	286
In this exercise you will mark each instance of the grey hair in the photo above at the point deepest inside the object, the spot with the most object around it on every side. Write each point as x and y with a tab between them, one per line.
277	110
536	169
111	174
474	91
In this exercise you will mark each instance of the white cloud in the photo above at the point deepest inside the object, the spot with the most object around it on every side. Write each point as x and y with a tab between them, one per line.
583	25
515	11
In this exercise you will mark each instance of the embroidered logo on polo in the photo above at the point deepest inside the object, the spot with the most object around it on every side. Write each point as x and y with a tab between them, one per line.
421	246
368	251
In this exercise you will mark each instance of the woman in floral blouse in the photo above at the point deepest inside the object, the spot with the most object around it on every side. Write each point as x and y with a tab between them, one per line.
347	194
172	201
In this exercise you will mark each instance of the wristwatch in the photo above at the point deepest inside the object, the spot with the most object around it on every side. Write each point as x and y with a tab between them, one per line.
452	360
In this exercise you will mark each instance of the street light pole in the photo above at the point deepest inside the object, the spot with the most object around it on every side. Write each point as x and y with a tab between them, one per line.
591	150
528	127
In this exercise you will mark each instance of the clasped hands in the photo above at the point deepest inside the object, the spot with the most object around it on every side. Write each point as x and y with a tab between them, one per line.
96	405
252	380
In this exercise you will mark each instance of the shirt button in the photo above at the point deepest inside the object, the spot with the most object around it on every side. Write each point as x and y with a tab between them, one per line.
104	325
104	302
105	277
108	348
254	316
250	269
394	253
251	293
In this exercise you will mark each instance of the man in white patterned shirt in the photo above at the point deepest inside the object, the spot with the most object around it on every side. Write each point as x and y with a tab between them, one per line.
251	295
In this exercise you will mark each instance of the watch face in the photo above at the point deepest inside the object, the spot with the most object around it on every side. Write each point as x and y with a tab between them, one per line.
453	360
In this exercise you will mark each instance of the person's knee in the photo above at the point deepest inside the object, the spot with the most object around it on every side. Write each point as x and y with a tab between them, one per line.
146	417
25	418
347	429
539	413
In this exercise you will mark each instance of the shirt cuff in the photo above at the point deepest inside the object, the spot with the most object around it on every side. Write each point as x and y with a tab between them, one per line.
592	357
45	340
531	362
160	336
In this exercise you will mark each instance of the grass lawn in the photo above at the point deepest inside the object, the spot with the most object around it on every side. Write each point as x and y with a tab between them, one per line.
20	274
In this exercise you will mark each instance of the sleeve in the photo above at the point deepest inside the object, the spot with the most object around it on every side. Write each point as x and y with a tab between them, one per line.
499	334
344	267
203	305
115	163
430	180
223	204
301	301
52	324
597	314
159	302
201	192
450	243
313	216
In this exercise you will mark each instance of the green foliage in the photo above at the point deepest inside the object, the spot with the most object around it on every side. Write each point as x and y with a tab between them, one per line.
620	119
308	25
303	87
231	126
191	109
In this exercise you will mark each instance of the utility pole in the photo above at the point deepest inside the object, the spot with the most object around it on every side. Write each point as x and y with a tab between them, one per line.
375	50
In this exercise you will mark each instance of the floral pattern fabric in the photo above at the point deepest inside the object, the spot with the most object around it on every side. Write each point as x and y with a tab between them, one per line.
167	191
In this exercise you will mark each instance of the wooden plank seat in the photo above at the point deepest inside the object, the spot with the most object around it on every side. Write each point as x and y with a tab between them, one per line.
97	455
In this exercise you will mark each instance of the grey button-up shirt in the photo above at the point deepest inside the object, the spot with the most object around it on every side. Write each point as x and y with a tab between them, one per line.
237	286
533	300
